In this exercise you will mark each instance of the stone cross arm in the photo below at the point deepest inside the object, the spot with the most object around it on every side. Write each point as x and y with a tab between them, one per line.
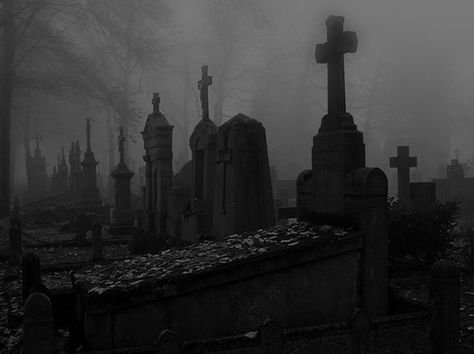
347	43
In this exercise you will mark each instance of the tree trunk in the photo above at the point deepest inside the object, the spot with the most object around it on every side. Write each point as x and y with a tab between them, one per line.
6	95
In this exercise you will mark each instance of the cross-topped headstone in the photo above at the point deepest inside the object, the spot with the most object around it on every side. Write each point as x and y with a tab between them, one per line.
88	131
203	86
402	162
37	138
156	104
121	141
332	53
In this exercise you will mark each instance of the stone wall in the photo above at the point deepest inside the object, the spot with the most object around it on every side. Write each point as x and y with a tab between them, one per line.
234	299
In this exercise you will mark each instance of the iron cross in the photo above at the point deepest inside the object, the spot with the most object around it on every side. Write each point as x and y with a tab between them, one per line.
332	53
203	86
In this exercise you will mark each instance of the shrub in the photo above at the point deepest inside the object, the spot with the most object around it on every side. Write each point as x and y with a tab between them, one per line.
422	234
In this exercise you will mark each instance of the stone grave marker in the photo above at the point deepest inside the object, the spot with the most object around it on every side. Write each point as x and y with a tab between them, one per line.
403	162
168	343
38	325
31	275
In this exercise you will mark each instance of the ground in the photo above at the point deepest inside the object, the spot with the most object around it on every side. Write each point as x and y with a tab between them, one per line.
60	254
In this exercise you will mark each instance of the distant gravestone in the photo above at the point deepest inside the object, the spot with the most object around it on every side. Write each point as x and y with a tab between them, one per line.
123	219
75	177
403	162
97	251
304	195
243	199
31	275
90	191
38	325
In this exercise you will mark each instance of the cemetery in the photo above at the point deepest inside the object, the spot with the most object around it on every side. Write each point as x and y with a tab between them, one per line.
218	249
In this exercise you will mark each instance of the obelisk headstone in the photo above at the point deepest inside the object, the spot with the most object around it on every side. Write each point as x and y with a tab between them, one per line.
90	191
158	141
123	217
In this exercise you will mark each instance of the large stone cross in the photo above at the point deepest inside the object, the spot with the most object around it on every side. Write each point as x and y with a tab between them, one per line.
156	104
203	86
332	53
403	161
88	132
121	142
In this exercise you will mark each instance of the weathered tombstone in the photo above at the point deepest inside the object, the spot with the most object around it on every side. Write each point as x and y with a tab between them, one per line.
31	275
203	146
403	162
38	325
243	198
271	338
168	343
14	236
338	147
97	253
75	181
445	291
123	217
179	199
37	172
158	141
63	174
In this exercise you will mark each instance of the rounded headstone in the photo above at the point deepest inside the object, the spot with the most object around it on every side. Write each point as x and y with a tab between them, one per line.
38	324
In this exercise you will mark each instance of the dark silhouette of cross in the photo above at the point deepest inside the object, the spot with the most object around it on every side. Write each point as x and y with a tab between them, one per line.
88	131
203	86
156	103
121	141
402	162
332	53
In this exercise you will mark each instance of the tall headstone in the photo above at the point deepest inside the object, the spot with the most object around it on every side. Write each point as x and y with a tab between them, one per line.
243	199
158	141
38	180
403	162
31	275
38	325
123	217
90	191
63	173
75	182
203	146
338	147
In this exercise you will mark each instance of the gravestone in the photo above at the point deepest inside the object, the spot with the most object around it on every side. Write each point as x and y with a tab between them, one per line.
31	275
338	147
63	173
38	180
403	162
168	343
97	250
243	198
456	187
304	195
82	225
75	177
38	325
123	216
179	201
203	146
90	191
158	141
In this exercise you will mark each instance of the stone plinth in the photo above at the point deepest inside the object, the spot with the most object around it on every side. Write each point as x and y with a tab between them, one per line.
123	216
243	198
337	149
90	191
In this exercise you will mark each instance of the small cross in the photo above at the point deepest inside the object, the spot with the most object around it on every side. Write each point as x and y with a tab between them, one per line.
203	86
88	131
156	103
403	161
37	138
332	53
121	141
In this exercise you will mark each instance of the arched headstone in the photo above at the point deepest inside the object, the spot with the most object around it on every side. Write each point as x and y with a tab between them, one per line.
168	343
38	325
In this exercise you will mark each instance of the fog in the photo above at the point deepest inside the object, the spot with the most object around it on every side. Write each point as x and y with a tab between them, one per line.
411	81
